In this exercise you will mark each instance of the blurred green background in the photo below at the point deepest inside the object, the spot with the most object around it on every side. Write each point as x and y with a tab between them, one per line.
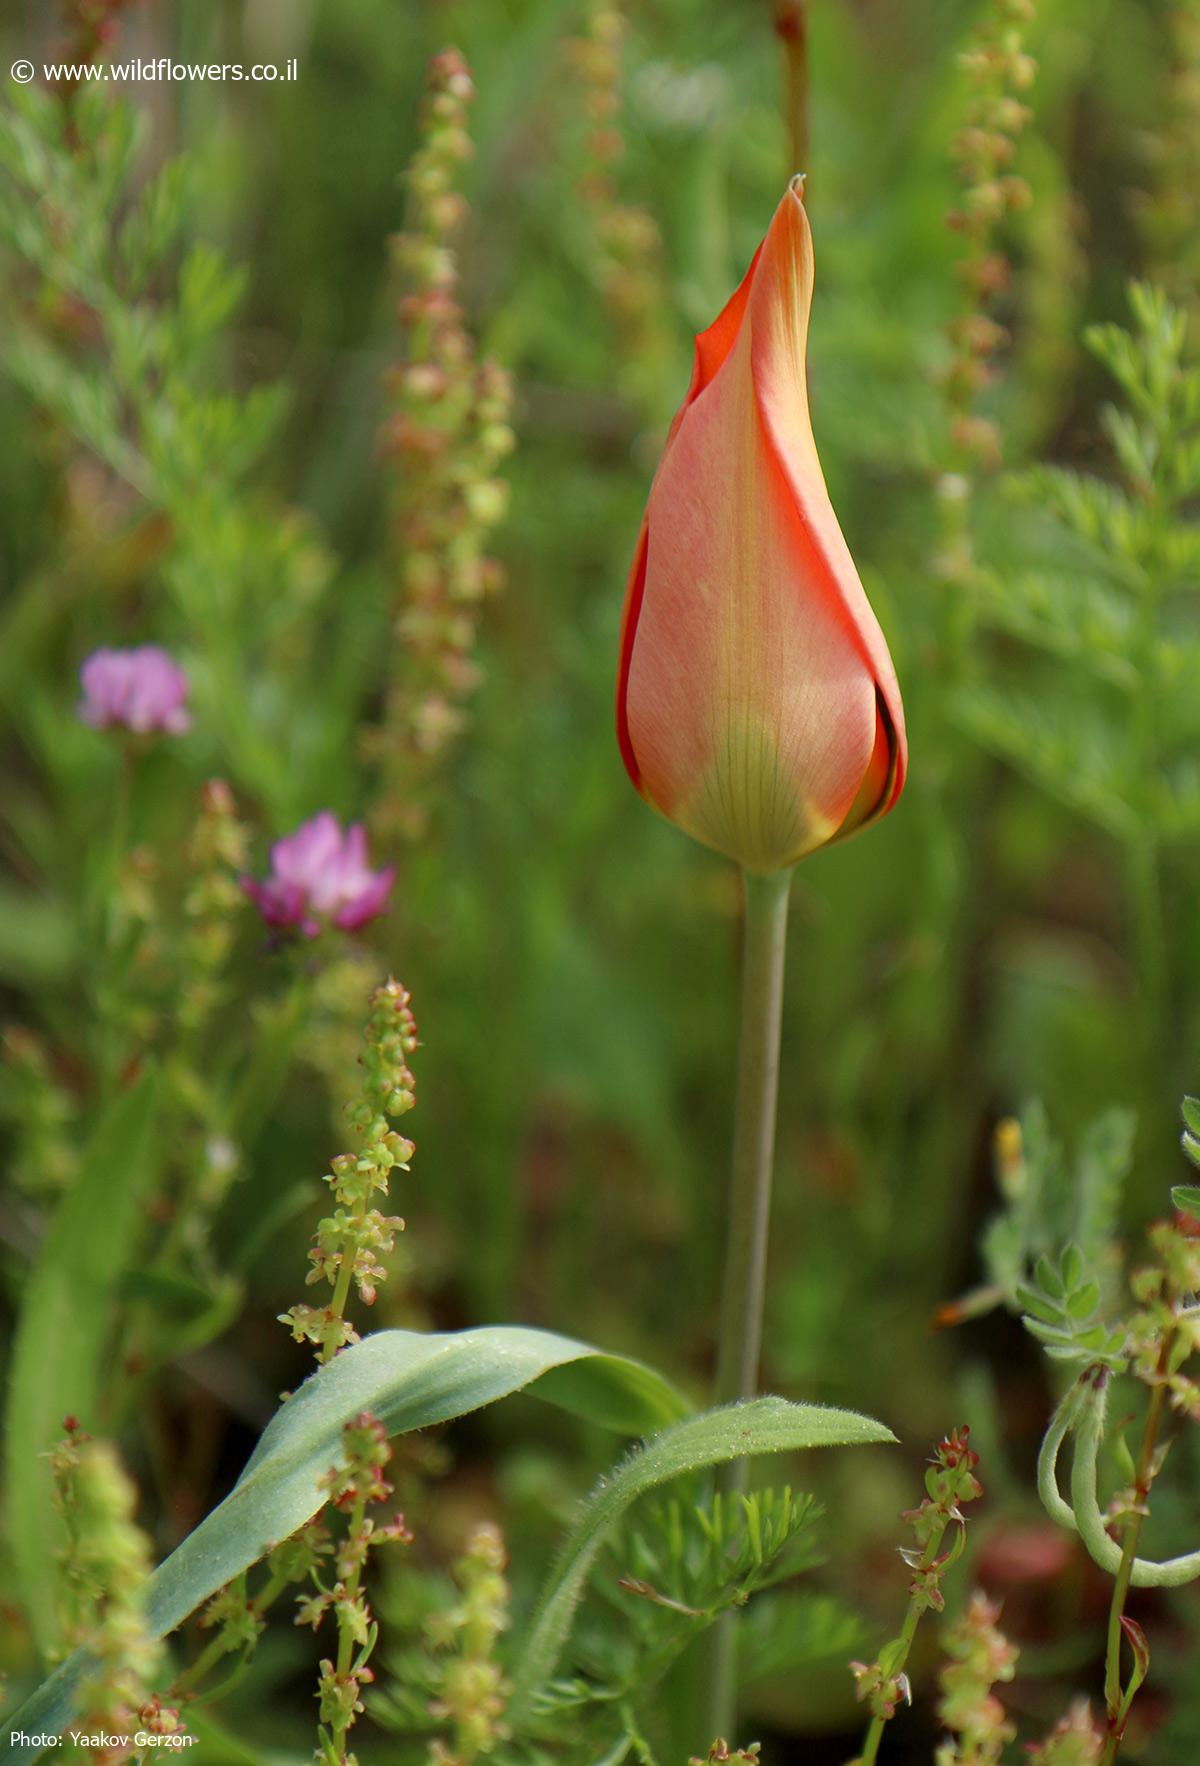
572	959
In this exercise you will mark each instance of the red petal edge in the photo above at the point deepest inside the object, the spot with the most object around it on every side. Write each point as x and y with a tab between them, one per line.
633	606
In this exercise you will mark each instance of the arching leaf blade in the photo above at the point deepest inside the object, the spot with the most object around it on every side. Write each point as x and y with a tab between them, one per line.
408	1379
736	1431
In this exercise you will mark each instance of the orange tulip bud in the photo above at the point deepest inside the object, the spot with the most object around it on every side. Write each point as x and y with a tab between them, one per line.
757	706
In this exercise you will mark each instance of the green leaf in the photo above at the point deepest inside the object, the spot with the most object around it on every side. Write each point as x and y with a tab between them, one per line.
1076	620
794	1628
1135	1637
1049	1279
1067	746
1190	1142
63	1334
1098	1181
1071	1267
1186	1197
764	1425
409	1381
1084	1301
1033	1303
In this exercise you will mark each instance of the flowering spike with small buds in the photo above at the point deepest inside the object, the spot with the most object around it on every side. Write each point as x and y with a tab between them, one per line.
106	1564
1078	1740
352	1487
1166	1291
980	1656
950	1482
448	434
625	242
1000	71
216	857
470	1689
40	1114
1169	210
351	1242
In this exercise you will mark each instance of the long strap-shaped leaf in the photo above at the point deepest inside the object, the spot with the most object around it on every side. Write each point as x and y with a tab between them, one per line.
65	1320
409	1381
763	1425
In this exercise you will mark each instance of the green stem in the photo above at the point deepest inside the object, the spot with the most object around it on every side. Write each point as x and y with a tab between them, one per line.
209	1656
341	1294
345	1656
219	1645
898	1652
345	1634
642	1750
764	941
1115	1706
112	1047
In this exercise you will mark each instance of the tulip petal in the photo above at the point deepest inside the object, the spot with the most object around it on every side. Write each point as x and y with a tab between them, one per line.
757	706
778	318
877	790
713	345
748	710
634	591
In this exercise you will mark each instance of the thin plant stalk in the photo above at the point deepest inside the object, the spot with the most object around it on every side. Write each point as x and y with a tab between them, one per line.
346	1615
112	1052
1116	1701
219	1645
898	1658
764	941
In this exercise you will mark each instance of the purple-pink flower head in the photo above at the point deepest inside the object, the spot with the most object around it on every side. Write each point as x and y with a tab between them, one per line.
320	877
141	690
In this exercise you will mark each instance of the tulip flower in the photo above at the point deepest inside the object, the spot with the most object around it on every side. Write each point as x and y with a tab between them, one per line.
142	690
320	877
757	706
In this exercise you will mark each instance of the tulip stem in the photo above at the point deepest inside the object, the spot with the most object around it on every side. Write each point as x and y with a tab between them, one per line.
764	941
764	938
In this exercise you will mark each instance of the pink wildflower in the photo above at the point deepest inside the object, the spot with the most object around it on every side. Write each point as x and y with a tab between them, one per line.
141	690
320	877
